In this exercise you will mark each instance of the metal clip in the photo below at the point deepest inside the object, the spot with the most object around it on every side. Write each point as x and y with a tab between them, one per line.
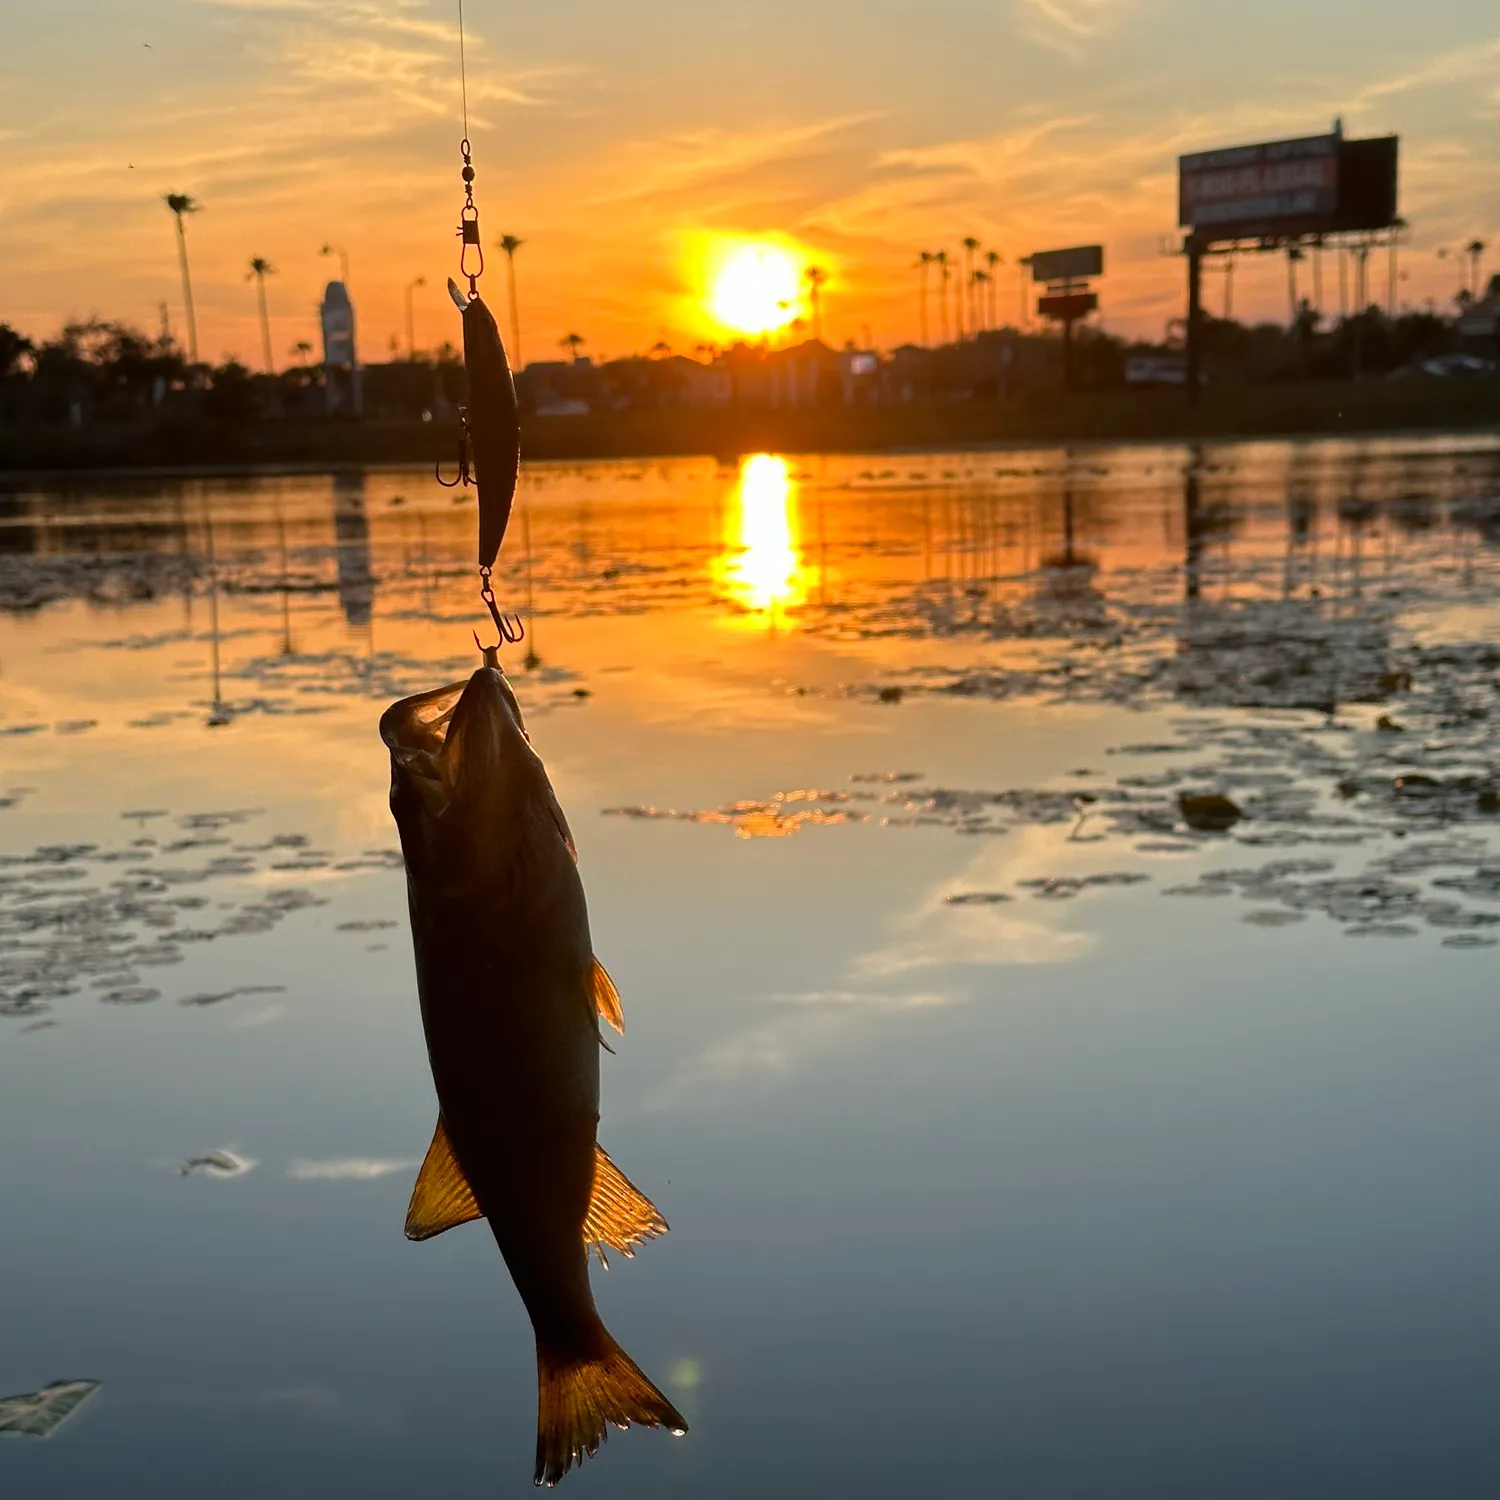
468	226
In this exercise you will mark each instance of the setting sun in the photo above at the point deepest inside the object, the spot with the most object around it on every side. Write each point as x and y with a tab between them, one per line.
756	290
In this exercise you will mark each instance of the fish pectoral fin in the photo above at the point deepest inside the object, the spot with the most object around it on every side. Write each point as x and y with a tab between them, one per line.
442	1198
607	998
620	1215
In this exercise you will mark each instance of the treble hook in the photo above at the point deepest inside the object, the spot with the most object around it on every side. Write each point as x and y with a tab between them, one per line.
512	631
465	473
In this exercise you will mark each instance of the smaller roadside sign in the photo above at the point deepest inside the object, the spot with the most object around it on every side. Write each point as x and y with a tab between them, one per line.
1078	263
1068	307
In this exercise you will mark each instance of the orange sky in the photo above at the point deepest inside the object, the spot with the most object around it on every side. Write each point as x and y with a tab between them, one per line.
624	143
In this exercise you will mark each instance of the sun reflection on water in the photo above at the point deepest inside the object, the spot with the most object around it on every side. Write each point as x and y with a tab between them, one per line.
761	567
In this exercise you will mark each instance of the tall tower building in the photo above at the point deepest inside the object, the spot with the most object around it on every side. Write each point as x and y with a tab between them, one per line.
342	386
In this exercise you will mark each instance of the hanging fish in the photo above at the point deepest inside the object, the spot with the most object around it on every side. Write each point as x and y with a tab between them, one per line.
493	419
511	997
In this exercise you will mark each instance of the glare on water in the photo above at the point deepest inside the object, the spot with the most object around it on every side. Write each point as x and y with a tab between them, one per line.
762	562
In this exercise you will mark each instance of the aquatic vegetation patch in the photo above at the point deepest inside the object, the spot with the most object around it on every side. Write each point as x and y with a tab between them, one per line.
90	917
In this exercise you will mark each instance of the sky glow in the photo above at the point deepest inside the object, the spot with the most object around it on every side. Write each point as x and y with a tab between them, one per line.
618	141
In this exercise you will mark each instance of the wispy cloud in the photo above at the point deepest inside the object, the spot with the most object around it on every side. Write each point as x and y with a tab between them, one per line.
707	160
1444	69
1065	25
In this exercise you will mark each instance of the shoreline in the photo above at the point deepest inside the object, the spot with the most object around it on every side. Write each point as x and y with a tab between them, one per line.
1133	417
12	478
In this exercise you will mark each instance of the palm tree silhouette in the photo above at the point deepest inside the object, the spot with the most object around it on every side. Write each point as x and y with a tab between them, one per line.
1293	255
924	259
979	280
993	258
1475	251
571	342
260	268
302	349
941	257
180	204
816	279
510	244
970	246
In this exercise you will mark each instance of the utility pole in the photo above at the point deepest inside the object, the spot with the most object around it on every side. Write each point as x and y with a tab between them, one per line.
1194	319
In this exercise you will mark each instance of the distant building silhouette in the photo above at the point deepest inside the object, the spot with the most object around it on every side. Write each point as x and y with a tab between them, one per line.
342	386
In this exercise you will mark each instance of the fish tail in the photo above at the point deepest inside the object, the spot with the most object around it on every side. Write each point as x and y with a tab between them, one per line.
580	1395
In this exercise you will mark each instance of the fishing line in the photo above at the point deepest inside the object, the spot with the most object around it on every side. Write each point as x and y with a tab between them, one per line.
463	72
470	441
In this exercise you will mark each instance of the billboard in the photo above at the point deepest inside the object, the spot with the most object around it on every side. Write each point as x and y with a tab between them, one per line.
1076	264
1255	184
1316	184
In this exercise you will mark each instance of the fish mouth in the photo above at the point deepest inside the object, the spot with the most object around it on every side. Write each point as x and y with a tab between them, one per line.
456	746
483	735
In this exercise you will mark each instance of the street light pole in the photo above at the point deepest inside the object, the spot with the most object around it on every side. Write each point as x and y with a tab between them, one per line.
343	256
411	340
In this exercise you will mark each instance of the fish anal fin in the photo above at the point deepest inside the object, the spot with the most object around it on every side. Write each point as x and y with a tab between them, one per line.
579	1397
620	1215
442	1198
607	998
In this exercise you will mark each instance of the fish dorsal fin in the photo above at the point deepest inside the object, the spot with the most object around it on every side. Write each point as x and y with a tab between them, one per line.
607	998
620	1215
442	1198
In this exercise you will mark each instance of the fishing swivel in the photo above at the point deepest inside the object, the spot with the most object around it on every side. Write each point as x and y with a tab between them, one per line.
465	467
468	226
512	631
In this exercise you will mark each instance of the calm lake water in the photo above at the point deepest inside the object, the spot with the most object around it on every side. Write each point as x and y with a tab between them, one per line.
1028	1121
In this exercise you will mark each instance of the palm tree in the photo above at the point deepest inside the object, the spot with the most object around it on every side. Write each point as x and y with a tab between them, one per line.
816	278
941	257
1293	255
572	342
260	268
979	317
994	259
180	204
510	244
924	259
970	246
302	349
1475	251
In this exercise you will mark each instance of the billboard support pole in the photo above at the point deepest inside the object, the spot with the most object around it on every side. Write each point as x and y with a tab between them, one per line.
1194	319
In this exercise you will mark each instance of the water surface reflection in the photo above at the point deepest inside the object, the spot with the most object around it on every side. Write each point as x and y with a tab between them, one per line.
1145	1146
